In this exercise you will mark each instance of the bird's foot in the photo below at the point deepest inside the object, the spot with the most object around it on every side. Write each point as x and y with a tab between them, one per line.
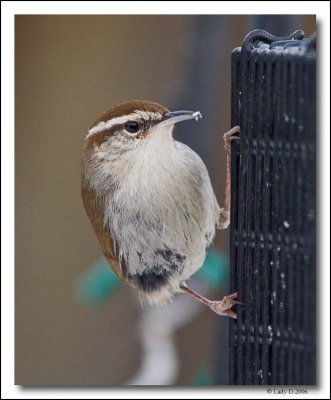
221	307
231	135
224	306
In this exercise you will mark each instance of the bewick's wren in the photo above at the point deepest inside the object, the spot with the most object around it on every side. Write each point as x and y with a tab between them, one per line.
150	200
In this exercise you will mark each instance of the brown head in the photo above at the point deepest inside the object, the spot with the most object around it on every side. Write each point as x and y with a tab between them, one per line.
131	122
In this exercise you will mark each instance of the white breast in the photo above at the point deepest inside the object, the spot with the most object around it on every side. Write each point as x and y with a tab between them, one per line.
164	211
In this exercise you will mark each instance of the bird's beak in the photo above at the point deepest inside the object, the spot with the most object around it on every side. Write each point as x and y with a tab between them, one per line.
172	117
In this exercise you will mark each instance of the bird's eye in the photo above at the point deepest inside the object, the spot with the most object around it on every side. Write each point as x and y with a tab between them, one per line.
131	127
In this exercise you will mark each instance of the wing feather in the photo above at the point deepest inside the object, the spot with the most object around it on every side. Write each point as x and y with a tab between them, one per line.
94	210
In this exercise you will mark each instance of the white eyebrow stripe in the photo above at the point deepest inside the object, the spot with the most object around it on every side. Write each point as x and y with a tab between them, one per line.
104	125
135	116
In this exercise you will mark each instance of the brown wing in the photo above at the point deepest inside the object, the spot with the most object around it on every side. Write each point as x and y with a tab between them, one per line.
94	211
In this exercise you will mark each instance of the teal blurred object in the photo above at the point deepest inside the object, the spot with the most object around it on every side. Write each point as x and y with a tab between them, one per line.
99	282
215	268
203	377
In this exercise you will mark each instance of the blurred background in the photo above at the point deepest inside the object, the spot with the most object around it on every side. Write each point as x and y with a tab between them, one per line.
74	324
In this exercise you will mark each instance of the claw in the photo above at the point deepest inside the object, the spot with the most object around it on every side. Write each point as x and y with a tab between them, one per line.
231	134
233	296
230	137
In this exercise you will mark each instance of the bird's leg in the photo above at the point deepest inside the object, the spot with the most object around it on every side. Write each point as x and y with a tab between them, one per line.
225	211
224	306
221	307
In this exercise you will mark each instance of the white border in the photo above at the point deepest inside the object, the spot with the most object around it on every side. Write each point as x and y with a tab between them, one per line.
9	9
164	7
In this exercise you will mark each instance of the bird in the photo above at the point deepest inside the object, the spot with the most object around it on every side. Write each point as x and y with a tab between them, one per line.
150	200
